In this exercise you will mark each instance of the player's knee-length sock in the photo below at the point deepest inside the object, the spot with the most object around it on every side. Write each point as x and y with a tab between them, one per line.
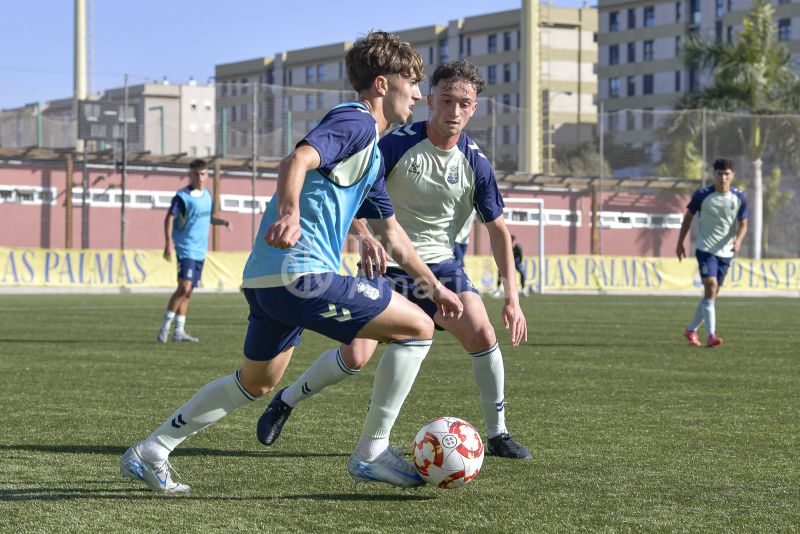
697	320
180	322
328	369
489	375
394	377
211	403
710	316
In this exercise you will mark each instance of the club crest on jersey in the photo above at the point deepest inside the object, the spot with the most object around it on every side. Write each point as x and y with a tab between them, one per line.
452	175
415	167
368	291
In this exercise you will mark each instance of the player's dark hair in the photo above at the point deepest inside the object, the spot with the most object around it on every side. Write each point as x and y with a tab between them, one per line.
198	165
723	164
381	54
460	70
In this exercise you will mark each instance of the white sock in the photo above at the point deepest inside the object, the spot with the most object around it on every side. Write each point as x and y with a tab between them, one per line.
394	377
489	375
211	403
180	321
697	320
710	316
168	317
327	370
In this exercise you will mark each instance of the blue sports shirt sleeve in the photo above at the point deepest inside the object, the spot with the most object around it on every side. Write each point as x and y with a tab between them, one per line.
341	133
177	206
696	201
488	202
377	204
744	213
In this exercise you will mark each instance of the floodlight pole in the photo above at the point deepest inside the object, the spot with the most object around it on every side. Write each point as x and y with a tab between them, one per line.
124	164
255	162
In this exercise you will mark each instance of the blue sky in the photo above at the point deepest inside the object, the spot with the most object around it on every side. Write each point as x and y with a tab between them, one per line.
150	39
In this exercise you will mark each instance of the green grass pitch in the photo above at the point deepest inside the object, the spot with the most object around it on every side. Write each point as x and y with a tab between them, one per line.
632	429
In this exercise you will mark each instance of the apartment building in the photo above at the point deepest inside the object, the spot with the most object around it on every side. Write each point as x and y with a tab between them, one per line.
297	87
164	118
640	44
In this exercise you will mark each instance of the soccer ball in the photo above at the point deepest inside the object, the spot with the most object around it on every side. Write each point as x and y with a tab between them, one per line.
447	452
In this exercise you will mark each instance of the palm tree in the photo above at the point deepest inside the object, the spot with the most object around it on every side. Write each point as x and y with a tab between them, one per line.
753	75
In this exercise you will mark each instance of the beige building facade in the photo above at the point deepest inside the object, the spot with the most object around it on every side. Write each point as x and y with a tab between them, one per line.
297	87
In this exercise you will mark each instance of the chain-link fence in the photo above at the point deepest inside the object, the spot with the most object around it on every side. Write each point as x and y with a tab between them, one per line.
266	121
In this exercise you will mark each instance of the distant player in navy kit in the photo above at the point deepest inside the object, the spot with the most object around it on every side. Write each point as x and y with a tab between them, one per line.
722	227
186	229
291	279
436	177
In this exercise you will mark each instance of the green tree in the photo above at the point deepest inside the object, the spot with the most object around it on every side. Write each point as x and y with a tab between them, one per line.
753	75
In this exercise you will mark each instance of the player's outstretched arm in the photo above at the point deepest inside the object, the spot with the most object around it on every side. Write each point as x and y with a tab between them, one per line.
513	318
285	232
168	236
680	251
403	252
740	233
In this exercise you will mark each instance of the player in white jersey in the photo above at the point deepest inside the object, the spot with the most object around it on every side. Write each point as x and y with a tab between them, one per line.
292	281
723	217
436	176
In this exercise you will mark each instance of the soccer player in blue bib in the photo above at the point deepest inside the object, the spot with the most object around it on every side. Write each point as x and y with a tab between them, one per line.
436	177
291	279
186	229
722	226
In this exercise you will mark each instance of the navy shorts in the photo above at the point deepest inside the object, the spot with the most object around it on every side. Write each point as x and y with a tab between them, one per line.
333	305
190	270
449	273
711	265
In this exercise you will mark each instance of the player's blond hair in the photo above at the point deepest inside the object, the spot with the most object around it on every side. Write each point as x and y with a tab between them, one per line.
381	54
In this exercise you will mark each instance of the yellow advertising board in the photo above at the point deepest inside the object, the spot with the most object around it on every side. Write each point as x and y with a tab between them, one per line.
132	269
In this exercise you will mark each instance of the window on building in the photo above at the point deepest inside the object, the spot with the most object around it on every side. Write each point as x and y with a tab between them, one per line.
631	52
320	72
647	53
678	11
341	70
649	16
694	80
506	41
289	78
630	120
631	18
694	7
717	31
729	32
506	72
309	74
309	101
492	43
430	55
677	81
784	1
223	89
719	8
677	45
613	54
244	112
233	114
271	76
613	87
613	121
631	83
234	88
613	21
491	74
461	46
507	100
785	30
647	84
647	119
245	85
443	50
469	46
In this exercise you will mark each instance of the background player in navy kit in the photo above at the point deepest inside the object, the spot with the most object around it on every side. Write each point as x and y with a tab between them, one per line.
291	279
186	229
721	229
436	176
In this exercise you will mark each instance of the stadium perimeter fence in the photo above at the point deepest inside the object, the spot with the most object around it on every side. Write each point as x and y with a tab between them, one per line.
266	121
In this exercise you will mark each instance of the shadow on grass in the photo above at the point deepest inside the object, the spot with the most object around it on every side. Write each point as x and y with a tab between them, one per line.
139	493
188	451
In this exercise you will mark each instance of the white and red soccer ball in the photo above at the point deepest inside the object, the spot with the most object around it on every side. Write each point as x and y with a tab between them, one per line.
447	452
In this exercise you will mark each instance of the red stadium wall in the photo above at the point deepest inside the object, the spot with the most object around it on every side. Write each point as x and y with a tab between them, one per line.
25	223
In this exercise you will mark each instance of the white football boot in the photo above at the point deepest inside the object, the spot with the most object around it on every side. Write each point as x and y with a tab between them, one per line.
157	477
388	467
180	335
